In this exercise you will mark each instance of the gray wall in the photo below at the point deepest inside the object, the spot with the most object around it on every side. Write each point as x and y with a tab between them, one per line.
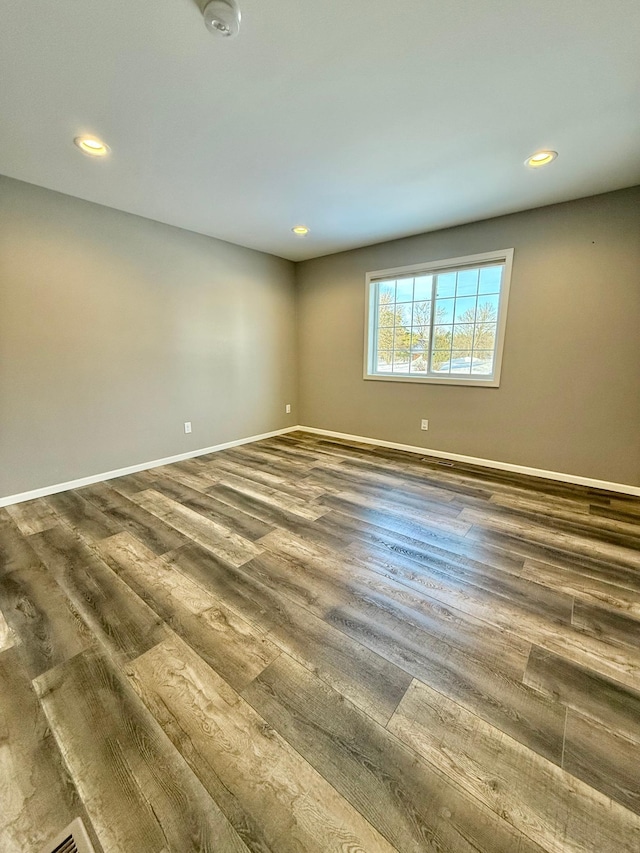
569	399
114	330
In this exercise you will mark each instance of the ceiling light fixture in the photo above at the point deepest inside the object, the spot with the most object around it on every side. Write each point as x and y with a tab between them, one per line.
300	230
91	145
222	17
540	158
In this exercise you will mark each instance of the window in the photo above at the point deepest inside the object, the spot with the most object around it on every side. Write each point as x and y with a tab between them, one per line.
439	322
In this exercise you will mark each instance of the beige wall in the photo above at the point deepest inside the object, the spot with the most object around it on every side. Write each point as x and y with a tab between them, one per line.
114	330
569	399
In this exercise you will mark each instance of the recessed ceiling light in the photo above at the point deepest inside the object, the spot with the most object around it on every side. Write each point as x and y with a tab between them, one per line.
540	158
300	230
91	145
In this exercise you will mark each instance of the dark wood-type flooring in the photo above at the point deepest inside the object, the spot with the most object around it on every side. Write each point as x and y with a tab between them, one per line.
311	645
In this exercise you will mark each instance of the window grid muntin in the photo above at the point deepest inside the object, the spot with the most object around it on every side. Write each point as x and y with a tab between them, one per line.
377	283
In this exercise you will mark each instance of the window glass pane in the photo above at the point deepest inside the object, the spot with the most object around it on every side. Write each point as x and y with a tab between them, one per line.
465	309
421	313
444	310
460	362
467	283
442	337
385	338
463	336
419	363
384	362
482	362
420	338
487	309
490	279
386	315
401	361
386	291
404	290
441	362
446	285
403	314
423	287
402	338
485	336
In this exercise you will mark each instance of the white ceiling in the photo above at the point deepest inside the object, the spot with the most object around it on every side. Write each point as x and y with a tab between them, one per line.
363	119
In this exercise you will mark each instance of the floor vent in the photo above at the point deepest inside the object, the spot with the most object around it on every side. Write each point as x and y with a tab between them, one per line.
73	839
445	462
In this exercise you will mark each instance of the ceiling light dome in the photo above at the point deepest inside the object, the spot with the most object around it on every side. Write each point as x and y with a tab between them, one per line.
91	145
540	158
222	17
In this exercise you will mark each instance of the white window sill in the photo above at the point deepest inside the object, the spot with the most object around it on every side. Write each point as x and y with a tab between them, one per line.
489	382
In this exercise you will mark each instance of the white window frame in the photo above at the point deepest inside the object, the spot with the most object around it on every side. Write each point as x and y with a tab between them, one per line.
503	256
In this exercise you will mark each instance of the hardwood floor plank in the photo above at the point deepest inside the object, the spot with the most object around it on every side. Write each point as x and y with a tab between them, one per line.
139	792
261	454
480	582
37	796
345	474
394	502
366	678
277	517
7	639
438	543
536	533
274	498
319	581
555	634
240	523
82	516
33	516
408	800
619	510
116	615
131	517
533	795
298	486
46	626
151	578
606	761
295	805
586	589
190	473
400	523
214	536
132	483
479	681
15	550
563	514
499	700
616	707
231	645
607	625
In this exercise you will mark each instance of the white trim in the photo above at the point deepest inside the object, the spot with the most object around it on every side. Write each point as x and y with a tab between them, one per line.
622	488
133	469
485	463
504	256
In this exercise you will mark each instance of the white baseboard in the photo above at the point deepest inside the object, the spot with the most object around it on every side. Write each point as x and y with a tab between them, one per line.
133	469
486	463
410	448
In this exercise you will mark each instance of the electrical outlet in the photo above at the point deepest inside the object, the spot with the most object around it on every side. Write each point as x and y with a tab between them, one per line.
287	408
187	427
424	424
